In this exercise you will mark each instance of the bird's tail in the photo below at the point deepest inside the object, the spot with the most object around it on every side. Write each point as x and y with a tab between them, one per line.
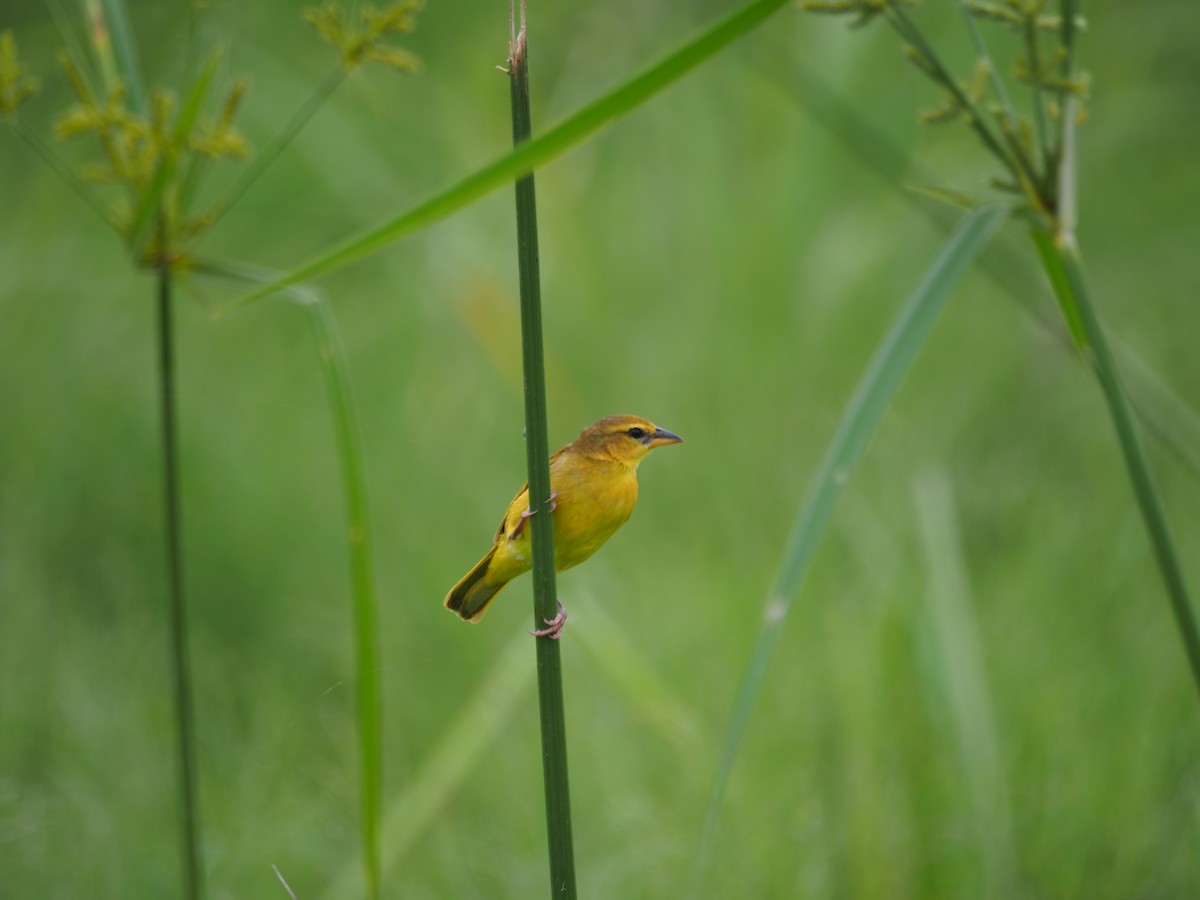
471	596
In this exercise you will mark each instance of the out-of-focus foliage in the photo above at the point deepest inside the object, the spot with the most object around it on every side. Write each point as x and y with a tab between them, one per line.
717	262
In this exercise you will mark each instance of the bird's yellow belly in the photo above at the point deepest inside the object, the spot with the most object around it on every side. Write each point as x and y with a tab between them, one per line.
591	503
590	507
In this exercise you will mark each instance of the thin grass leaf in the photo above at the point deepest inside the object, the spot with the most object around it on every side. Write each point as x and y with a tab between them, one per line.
535	153
334	365
879	384
1056	272
332	354
150	204
449	763
125	53
958	199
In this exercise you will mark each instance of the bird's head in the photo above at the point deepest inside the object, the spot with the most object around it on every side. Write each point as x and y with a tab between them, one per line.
625	439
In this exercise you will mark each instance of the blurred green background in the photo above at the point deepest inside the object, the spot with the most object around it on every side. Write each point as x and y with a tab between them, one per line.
981	691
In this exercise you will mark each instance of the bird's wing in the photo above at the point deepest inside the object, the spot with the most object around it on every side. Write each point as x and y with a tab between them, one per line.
514	518
510	525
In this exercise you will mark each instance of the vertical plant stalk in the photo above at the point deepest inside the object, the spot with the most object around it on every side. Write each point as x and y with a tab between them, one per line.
181	667
1061	260
362	582
1065	270
537	449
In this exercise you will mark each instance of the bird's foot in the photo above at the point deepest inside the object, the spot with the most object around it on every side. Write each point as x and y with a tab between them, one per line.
525	514
554	626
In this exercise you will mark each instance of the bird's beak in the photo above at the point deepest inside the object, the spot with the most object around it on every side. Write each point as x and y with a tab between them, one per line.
661	436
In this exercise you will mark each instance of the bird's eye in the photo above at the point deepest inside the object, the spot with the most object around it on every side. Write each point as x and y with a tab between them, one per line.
636	433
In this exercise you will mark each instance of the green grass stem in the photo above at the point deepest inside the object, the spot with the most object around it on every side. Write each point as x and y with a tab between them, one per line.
891	362
532	154
181	666
1065	271
537	448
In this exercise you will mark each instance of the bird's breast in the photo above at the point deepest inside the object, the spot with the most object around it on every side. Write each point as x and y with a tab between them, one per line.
594	499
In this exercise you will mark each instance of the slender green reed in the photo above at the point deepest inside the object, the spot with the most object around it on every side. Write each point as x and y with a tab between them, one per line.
193	887
537	450
368	680
891	362
1065	271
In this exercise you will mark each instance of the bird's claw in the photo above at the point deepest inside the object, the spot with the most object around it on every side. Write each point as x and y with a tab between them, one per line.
526	513
554	626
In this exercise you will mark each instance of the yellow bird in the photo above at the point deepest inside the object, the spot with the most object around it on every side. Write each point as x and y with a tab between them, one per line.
593	483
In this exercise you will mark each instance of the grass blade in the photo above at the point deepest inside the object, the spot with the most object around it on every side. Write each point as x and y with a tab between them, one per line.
336	370
879	384
332	354
560	843
1056	272
534	153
